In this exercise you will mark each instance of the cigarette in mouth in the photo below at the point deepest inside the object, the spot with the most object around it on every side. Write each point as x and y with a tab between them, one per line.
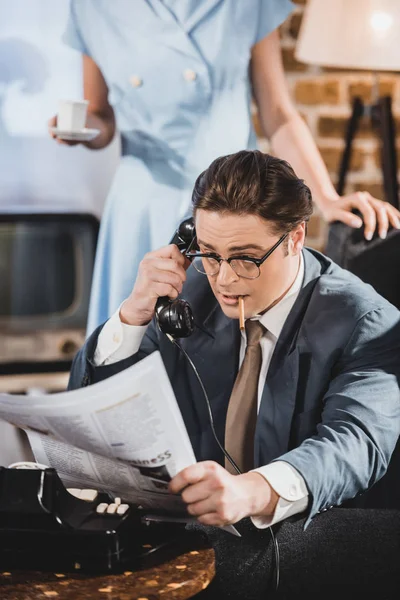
241	313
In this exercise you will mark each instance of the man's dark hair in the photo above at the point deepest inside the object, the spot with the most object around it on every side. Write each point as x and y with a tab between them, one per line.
251	182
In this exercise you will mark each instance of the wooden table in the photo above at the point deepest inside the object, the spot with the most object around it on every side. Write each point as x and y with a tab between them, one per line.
179	577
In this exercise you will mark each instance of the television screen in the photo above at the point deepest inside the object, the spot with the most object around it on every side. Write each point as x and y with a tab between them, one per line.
46	268
37	269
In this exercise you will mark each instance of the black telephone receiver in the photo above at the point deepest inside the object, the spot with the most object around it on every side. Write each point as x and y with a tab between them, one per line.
175	317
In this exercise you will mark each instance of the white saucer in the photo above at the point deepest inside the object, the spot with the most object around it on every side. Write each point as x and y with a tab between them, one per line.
83	135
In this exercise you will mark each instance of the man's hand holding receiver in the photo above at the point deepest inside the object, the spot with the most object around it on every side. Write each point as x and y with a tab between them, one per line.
161	273
218	498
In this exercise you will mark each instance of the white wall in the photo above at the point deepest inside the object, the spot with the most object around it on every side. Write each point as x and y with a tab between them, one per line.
36	70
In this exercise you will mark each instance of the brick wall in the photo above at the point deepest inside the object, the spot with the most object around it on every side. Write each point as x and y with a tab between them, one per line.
323	96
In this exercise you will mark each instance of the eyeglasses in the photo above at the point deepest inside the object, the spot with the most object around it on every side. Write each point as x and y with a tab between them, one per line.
244	266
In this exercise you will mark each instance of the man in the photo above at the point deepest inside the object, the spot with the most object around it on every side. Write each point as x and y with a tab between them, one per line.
308	396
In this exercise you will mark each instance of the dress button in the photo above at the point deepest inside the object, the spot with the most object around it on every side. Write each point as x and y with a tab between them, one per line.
116	338
189	74
292	491
136	81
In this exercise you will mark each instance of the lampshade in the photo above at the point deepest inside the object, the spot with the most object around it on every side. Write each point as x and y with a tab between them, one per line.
360	34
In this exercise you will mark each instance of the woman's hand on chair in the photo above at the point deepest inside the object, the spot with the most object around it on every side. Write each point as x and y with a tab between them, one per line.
375	214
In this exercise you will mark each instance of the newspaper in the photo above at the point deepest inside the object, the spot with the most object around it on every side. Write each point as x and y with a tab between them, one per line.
124	435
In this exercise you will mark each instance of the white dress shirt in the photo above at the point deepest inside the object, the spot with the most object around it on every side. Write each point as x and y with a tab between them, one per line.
118	341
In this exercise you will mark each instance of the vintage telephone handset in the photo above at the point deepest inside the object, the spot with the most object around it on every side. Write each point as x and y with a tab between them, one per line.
175	317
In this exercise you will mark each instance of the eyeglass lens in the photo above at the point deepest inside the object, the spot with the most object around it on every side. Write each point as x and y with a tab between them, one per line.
242	268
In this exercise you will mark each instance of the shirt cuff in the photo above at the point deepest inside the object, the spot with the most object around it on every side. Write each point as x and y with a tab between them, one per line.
291	489
117	341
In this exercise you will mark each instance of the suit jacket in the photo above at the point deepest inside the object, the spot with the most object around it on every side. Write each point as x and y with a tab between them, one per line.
330	405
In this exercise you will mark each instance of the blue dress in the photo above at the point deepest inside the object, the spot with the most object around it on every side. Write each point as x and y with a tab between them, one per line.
178	78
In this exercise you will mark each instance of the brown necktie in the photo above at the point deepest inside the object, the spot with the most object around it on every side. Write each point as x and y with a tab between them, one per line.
242	409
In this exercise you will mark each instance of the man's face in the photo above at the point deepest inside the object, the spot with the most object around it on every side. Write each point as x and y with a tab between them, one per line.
227	235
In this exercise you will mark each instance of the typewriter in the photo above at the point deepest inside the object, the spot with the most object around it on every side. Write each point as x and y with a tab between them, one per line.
43	526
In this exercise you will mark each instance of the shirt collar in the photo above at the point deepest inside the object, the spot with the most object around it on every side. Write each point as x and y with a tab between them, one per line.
274	319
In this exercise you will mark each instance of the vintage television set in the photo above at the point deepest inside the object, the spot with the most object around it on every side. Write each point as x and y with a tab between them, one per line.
46	266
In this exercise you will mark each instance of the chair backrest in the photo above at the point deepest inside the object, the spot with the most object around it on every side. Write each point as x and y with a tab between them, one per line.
376	262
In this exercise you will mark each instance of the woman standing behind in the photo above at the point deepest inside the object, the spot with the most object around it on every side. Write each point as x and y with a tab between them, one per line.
174	77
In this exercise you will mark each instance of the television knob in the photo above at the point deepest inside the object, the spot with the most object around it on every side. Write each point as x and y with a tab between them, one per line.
68	347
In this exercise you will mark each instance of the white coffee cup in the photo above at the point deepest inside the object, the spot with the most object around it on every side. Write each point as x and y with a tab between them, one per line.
72	115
